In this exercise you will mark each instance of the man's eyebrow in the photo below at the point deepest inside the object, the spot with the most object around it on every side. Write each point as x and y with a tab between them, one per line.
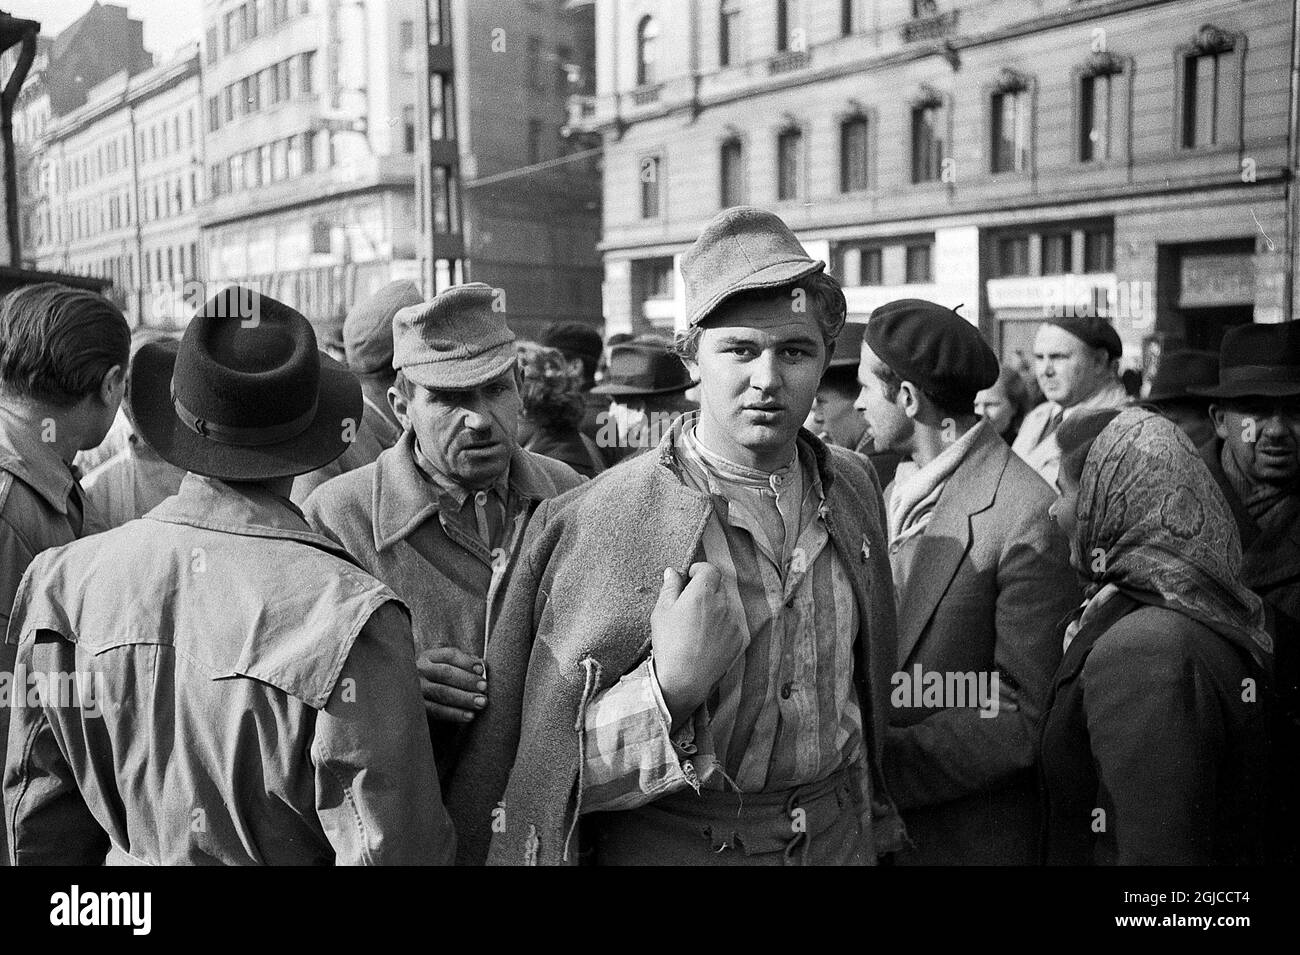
795	339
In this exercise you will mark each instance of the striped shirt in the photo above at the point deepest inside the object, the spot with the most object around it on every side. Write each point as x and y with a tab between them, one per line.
786	712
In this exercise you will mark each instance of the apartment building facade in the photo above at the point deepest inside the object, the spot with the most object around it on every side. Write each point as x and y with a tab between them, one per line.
1120	157
113	187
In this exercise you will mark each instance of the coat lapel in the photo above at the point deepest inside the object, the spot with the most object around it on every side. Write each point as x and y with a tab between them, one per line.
942	547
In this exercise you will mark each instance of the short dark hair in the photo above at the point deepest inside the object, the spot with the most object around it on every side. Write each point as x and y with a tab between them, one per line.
57	343
832	310
946	401
1075	437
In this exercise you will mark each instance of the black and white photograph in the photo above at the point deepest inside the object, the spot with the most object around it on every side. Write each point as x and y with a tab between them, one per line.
650	433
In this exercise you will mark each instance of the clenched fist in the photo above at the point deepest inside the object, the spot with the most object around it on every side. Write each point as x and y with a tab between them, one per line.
696	637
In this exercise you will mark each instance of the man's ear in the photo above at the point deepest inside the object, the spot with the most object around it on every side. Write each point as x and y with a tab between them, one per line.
1219	416
910	399
397	401
113	386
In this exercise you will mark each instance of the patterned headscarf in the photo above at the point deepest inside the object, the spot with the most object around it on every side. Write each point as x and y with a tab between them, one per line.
1151	519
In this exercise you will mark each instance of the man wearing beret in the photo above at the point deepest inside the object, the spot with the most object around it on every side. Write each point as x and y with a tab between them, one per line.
1255	458
701	638
439	516
982	578
1076	362
368	345
242	692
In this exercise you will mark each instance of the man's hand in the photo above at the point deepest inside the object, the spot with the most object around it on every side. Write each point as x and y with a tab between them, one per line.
452	684
696	637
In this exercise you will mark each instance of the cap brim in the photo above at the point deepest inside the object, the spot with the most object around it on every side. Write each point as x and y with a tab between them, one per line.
457	375
771	276
338	402
1263	389
633	390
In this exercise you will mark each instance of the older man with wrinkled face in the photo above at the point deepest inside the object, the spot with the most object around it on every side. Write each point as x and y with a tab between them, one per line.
440	515
717	613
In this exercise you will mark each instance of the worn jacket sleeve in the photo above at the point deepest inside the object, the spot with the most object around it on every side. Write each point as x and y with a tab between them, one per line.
964	750
1157	736
46	820
377	790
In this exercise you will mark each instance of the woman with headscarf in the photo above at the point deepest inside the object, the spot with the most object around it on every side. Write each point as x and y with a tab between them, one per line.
1154	747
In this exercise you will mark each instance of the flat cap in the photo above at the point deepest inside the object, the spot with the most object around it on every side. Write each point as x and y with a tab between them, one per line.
458	340
931	346
368	328
1093	331
741	249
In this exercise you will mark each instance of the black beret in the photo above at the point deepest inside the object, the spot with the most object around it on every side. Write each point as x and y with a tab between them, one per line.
931	346
1093	331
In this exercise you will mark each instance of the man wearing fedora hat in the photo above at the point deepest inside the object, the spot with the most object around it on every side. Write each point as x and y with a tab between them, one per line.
243	692
982	577
1255	459
646	387
368	345
439	516
63	360
1076	362
1177	372
697	644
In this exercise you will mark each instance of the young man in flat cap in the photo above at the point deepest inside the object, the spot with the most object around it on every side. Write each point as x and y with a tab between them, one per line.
1255	459
222	684
697	644
1076	362
982	578
439	516
63	360
368	345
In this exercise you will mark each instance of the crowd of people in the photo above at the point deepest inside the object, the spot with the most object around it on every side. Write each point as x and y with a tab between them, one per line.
786	589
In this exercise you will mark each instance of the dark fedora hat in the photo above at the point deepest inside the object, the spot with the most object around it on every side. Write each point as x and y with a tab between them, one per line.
1180	370
848	346
1258	360
643	368
245	396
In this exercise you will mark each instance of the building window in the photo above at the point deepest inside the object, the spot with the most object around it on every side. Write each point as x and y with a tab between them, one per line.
847	24
789	145
320	237
647	42
729	33
445	217
441	123
406	43
534	141
1010	131
535	63
563	60
439	22
789	26
918	263
210	45
853	154
1094	117
733	173
1098	251
308	64
1012	255
927	142
650	177
858	264
1058	253
1208	94
408	129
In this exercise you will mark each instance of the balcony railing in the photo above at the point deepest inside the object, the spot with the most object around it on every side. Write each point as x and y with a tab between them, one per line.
645	95
933	27
787	61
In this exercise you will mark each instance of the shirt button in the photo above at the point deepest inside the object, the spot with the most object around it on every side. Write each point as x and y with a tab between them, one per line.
785	691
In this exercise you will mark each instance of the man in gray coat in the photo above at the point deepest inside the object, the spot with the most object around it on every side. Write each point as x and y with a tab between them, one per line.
440	515
983	579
